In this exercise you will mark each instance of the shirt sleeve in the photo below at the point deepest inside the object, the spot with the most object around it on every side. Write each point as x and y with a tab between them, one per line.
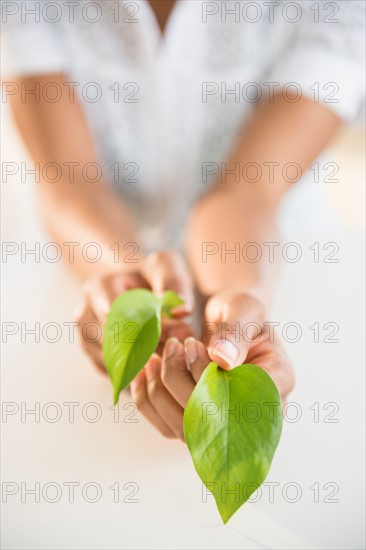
31	42
325	58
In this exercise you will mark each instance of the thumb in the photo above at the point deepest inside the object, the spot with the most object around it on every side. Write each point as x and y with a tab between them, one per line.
168	271
237	321
101	291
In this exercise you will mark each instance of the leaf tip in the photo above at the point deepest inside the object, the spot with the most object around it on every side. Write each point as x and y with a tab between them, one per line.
226	515
169	301
116	393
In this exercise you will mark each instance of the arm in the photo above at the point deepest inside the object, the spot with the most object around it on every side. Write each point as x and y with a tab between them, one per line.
237	293
280	132
79	211
83	212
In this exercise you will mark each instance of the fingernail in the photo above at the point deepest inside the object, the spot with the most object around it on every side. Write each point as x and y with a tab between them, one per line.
184	308
170	347
227	351
104	308
190	347
151	368
138	379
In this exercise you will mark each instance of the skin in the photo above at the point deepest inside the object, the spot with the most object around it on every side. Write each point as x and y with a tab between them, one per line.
162	10
231	292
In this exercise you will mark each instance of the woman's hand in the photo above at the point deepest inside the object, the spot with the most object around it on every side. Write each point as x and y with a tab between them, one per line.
160	271
236	332
233	333
161	390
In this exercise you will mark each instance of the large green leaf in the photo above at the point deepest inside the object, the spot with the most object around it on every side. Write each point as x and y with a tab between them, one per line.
232	425
132	332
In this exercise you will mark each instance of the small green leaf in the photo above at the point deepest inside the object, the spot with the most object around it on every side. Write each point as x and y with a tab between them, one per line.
232	425
169	300
132	333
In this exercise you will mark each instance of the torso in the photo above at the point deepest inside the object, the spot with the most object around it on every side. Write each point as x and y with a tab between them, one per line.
162	10
153	129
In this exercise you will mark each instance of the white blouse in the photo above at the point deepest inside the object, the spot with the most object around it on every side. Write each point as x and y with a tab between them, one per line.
164	111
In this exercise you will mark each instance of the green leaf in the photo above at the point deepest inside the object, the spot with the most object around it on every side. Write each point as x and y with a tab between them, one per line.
132	332
232	425
169	300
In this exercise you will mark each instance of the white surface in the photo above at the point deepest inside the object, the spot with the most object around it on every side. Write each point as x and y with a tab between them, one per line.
170	512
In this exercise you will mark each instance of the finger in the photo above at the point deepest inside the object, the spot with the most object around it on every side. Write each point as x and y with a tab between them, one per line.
197	357
174	373
164	404
275	361
90	334
96	355
175	328
102	291
139	395
168	271
238	321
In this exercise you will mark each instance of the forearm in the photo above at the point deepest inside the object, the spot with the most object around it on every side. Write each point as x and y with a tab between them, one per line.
92	225
275	147
225	244
76	211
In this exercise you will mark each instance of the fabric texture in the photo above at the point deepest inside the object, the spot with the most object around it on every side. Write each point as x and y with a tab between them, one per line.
161	108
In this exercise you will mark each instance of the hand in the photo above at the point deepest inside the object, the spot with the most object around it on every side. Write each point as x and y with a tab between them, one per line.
163	388
160	271
235	333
